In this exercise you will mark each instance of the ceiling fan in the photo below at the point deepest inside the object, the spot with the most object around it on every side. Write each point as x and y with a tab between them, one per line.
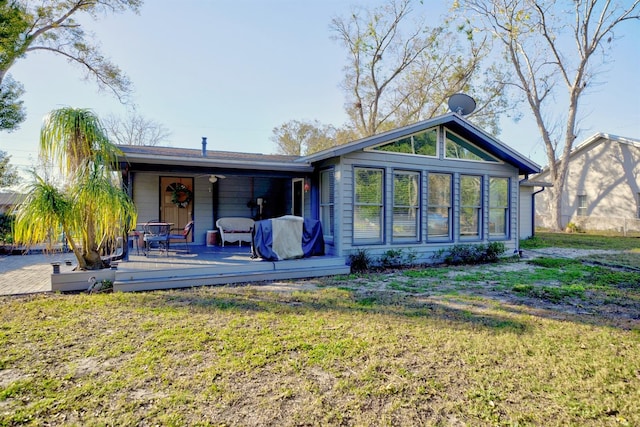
213	178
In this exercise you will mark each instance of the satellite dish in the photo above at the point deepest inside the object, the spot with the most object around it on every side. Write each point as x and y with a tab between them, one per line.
462	104
214	178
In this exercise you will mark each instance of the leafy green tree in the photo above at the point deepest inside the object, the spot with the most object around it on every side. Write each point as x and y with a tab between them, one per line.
50	27
13	24
12	111
401	71
89	206
555	50
8	173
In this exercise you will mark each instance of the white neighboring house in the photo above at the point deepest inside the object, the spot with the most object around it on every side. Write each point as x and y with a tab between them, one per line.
602	189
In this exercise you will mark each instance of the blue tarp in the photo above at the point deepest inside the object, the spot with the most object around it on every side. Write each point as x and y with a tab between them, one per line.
266	244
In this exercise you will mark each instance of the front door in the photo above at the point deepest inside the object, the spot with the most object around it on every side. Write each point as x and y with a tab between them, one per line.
176	201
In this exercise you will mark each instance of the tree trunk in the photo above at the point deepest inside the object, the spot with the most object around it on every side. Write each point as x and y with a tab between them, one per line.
92	260
90	249
555	208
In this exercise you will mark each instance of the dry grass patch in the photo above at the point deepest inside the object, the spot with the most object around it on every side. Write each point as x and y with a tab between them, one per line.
344	354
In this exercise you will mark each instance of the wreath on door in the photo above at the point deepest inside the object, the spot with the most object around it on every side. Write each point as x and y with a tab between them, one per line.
181	195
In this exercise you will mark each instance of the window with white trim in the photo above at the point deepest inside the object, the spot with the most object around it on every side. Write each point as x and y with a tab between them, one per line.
470	206
368	205
582	205
439	207
406	204
498	207
327	203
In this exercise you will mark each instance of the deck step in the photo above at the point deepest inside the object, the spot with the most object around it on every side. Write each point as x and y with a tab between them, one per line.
129	281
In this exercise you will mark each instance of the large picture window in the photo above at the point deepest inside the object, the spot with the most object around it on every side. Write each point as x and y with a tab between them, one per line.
470	206
423	144
439	207
406	204
459	148
327	203
368	205
498	207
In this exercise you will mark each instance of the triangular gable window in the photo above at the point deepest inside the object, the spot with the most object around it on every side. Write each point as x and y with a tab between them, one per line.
423	144
458	148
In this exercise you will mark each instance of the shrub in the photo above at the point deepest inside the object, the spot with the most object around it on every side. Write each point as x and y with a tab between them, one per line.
471	254
6	225
397	258
572	227
494	250
360	261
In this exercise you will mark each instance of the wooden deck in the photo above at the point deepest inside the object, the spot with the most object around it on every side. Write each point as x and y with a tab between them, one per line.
204	265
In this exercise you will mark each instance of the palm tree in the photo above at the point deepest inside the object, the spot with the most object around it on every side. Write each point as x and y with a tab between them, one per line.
89	207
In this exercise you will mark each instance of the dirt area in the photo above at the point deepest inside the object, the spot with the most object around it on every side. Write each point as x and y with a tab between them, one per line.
506	283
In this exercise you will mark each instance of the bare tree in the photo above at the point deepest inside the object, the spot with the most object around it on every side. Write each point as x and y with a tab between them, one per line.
50	26
134	129
550	44
401	71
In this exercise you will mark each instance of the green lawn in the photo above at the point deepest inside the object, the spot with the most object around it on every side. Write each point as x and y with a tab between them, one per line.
548	342
629	258
581	241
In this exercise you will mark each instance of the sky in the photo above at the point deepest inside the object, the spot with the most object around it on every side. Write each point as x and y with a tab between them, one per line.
232	70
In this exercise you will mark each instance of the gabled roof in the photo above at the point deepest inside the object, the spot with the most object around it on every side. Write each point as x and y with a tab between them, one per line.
587	143
211	159
452	121
590	142
190	157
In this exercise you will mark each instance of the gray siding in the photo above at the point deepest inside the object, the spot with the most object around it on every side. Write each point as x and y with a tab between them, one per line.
236	191
344	197
146	196
202	208
526	225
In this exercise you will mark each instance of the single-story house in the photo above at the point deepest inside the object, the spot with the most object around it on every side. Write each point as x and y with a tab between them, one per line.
9	200
418	188
602	188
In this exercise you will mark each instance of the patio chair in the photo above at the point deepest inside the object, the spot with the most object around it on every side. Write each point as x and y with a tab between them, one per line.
156	234
184	236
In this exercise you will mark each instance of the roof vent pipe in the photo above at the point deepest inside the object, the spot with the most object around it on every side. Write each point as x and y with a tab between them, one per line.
204	146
